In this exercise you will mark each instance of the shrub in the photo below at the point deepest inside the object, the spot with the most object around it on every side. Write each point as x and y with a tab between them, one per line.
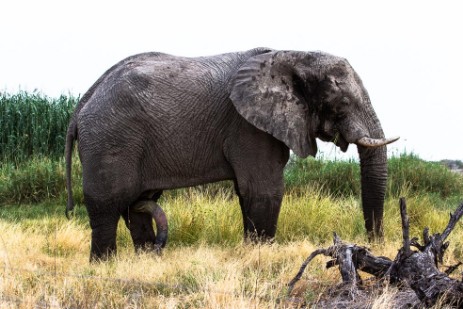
334	178
422	177
36	180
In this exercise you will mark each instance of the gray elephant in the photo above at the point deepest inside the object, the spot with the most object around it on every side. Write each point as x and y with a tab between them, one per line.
155	121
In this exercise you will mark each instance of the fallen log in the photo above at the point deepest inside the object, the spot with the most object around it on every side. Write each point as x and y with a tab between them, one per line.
415	269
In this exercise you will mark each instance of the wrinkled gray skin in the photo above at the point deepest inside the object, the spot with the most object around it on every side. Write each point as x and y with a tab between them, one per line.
155	121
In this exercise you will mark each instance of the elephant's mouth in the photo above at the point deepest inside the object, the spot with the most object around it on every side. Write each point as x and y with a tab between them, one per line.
341	142
365	141
335	138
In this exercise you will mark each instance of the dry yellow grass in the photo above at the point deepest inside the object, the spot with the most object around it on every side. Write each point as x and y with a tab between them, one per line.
34	273
44	261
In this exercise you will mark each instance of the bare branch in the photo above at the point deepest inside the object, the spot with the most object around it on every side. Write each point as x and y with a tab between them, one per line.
452	268
417	270
454	218
303	266
405	226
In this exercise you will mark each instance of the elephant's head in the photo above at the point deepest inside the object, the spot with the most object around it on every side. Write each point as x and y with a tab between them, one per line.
300	96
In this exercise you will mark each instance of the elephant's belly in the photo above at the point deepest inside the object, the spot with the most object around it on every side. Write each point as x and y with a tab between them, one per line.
186	174
180	181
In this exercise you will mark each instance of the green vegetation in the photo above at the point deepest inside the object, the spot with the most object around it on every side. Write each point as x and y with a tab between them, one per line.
407	174
43	178
32	124
423	178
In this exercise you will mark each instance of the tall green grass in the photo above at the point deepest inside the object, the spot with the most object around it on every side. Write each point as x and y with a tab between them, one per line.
334	178
342	178
423	177
32	124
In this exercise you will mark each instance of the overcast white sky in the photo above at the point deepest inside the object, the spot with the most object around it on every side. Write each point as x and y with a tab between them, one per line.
408	53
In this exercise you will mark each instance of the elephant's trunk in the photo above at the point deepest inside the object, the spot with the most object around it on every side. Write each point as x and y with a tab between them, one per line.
373	167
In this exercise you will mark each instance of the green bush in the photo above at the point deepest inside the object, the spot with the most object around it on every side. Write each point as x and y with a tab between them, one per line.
423	177
37	180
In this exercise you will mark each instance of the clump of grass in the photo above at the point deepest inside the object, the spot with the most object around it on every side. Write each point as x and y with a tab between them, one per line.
422	213
316	215
34	180
206	217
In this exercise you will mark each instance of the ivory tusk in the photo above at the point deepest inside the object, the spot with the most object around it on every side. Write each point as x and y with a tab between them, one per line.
375	142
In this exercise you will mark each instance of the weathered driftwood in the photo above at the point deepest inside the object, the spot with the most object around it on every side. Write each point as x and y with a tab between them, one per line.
415	269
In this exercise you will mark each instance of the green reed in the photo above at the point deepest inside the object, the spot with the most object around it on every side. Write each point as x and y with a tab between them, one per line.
32	124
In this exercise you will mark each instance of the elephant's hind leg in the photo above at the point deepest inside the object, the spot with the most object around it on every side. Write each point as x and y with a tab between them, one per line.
140	225
104	228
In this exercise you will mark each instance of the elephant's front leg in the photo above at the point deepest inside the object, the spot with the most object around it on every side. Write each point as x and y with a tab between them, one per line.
259	185
260	216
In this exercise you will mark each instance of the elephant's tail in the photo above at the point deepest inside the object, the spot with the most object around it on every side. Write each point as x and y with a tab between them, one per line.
70	137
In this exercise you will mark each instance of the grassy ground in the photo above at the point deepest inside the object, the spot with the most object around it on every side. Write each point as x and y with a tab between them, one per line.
44	257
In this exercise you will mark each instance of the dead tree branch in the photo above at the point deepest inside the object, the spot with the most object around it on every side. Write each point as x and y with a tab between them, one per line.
415	269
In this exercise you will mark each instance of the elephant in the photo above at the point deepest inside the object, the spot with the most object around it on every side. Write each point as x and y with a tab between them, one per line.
155	121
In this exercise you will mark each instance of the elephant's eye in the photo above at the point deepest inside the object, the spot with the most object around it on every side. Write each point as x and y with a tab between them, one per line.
345	101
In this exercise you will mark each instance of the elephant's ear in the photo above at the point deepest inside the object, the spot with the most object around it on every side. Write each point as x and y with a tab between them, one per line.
270	93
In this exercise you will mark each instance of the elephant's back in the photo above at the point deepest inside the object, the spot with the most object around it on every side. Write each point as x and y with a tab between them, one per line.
171	115
158	101
155	76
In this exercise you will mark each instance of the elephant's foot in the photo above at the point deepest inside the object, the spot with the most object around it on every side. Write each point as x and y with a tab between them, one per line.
103	245
260	217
